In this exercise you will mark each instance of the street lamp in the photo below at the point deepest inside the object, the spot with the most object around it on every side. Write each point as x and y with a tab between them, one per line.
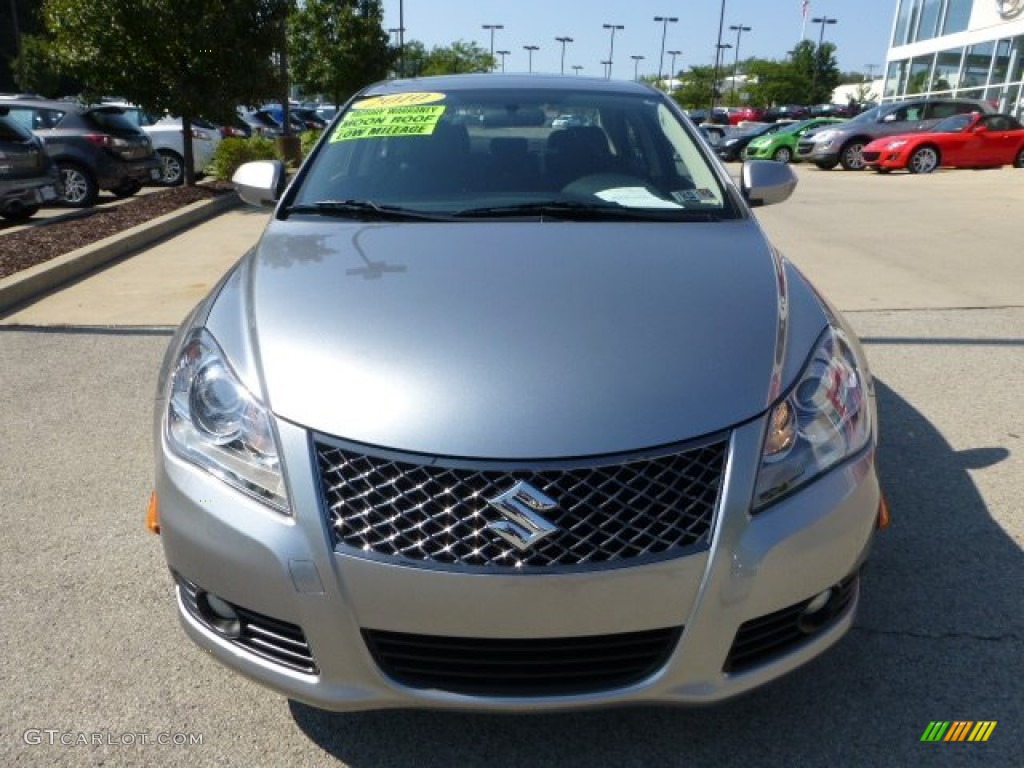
563	41
665	21
636	65
607	68
672	68
823	20
577	67
611	48
530	49
503	54
718	57
493	27
739	29
871	71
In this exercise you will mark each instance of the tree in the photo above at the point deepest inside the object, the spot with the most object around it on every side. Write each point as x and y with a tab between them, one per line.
33	68
694	87
182	57
776	82
338	46
459	57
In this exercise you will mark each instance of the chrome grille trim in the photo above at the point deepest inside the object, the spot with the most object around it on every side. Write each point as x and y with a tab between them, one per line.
434	512
271	639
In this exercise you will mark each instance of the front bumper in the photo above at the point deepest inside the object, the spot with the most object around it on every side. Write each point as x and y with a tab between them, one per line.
815	152
282	571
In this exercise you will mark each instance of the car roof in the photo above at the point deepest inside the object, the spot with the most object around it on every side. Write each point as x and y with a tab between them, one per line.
499	81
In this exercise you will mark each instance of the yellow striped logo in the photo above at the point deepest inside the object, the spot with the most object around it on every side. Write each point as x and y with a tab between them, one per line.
959	730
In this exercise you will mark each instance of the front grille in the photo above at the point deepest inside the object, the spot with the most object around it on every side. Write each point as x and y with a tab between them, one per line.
270	639
516	668
765	638
870	157
438	513
804	147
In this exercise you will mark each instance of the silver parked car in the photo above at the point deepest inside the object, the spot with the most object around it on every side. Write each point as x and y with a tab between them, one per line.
514	418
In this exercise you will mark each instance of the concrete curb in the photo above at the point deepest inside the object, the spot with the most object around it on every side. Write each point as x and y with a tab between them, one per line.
30	283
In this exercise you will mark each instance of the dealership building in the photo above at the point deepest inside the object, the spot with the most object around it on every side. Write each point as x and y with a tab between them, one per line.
971	48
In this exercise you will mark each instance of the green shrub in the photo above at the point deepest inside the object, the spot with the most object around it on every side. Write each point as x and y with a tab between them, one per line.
232	152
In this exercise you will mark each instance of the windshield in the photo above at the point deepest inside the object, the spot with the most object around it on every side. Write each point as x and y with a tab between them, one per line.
464	152
953	123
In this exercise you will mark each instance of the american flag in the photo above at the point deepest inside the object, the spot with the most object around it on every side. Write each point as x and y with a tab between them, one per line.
805	7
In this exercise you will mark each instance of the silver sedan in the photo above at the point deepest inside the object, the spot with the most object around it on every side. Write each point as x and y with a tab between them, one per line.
505	416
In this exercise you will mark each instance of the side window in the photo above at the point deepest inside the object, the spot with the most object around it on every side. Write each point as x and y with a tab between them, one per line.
941	109
965	109
45	118
22	116
12	131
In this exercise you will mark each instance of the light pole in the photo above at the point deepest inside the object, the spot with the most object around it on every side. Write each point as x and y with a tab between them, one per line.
493	27
665	21
636	65
611	48
577	67
607	68
739	29
823	20
401	38
503	54
530	49
871	71
563	41
718	57
672	69
714	86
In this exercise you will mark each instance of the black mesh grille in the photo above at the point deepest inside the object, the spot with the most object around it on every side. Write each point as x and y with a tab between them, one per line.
870	157
762	639
271	639
548	667
606	513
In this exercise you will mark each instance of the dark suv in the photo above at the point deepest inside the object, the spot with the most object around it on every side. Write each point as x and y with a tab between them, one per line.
28	178
94	147
844	143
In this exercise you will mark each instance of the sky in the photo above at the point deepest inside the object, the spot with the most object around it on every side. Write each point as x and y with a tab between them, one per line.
860	34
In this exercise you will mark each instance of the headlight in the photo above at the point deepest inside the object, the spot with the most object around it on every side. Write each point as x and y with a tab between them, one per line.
896	144
214	422
822	137
824	420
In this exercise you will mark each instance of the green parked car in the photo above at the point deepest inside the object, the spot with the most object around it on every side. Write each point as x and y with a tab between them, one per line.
781	145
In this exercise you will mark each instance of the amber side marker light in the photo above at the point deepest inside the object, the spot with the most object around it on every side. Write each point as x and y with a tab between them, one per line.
883	514
153	514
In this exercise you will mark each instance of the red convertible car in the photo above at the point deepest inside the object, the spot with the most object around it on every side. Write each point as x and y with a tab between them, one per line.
962	141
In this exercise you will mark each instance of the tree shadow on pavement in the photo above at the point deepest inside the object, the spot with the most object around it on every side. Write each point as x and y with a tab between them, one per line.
938	637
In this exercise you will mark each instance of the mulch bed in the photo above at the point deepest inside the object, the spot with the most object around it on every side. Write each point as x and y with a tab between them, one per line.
28	247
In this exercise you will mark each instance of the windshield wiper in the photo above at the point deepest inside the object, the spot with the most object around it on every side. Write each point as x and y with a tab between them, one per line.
567	210
366	210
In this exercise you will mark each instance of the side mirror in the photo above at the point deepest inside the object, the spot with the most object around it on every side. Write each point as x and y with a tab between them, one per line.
765	182
260	182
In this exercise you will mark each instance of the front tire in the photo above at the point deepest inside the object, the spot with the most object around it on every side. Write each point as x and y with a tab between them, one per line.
923	160
172	168
852	156
826	165
1018	161
20	213
783	155
127	188
80	189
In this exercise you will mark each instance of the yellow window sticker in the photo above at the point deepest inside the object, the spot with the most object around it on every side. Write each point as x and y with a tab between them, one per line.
399	100
388	121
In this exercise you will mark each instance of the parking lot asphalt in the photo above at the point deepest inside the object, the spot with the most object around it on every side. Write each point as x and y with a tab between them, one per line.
927	269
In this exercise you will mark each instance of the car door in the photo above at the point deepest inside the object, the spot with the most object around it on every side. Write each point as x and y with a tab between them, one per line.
1001	142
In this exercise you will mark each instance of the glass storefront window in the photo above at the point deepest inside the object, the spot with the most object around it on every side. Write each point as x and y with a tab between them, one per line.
899	35
947	70
1001	63
1017	60
977	63
958	14
920	74
895	77
929	25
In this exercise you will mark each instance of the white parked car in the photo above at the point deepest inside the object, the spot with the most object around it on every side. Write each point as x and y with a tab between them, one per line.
168	142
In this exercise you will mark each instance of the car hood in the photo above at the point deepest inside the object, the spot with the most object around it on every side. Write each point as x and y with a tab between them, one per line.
518	339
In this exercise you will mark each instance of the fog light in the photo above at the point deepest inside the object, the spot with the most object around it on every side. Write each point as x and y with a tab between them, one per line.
817	613
219	615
